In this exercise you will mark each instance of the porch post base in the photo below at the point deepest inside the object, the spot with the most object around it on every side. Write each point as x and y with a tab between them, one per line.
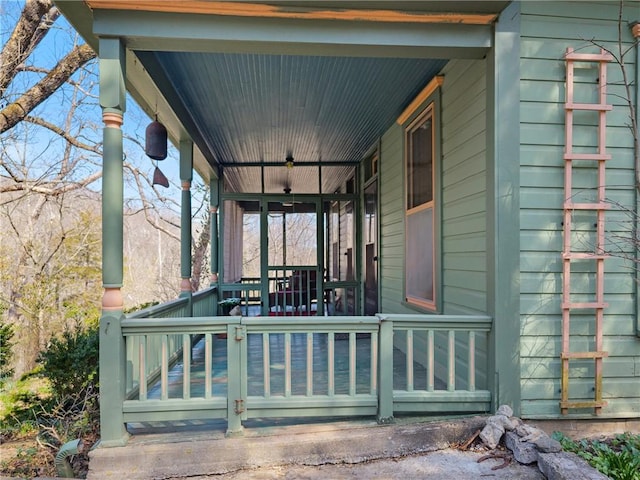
120	442
234	432
386	420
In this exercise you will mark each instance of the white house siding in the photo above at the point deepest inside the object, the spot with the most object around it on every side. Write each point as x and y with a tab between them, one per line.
548	28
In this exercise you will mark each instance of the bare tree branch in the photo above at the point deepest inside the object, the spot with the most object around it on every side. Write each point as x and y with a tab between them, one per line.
18	110
93	148
35	20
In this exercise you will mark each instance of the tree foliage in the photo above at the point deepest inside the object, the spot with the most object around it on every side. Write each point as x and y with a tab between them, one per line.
6	335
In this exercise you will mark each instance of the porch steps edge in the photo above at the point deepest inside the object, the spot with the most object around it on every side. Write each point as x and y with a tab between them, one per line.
312	444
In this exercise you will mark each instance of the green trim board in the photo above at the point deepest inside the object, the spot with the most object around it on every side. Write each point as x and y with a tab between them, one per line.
503	205
153	31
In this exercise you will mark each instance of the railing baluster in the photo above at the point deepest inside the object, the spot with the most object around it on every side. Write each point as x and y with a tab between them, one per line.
331	352
410	360
164	369
374	363
208	365
287	364
472	362
266	365
451	362
142	359
309	364
186	366
352	363
430	361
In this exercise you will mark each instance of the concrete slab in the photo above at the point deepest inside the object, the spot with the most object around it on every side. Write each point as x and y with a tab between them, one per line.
327	450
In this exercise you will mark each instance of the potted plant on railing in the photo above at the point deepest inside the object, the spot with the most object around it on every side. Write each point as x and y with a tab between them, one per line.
229	304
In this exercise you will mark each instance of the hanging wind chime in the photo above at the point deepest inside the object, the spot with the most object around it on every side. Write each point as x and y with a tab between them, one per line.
156	149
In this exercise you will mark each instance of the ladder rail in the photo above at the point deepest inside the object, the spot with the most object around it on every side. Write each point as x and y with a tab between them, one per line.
598	255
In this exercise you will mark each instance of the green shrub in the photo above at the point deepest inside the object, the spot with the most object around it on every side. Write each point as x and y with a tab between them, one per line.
70	362
618	458
6	354
20	403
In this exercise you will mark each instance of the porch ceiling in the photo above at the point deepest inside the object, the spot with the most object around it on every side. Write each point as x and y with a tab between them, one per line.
259	109
251	90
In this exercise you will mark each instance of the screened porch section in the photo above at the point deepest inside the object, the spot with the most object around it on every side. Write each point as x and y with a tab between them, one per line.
290	254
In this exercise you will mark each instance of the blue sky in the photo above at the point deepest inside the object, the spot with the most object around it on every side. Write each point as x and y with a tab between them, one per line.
36	141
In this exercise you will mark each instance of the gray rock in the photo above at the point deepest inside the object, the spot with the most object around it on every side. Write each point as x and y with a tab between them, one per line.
523	452
567	466
546	444
492	432
505	410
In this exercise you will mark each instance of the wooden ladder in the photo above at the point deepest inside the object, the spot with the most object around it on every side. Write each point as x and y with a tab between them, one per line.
575	251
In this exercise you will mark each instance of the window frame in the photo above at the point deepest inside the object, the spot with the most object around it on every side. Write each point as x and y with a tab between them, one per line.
421	112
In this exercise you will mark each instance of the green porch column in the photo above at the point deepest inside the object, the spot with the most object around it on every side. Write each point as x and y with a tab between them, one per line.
214	202
503	208
186	175
112	346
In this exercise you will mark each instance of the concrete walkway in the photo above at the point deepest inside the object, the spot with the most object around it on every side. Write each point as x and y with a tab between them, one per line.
353	449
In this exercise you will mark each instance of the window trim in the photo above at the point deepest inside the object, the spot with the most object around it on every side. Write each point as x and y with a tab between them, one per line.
414	116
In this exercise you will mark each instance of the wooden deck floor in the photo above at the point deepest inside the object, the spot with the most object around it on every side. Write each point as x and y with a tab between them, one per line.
255	367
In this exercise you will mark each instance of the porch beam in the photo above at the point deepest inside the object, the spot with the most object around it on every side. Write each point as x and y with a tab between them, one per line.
503	208
307	13
160	31
323	163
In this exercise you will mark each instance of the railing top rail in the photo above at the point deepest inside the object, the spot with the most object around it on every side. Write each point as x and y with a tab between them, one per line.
439	322
155	310
311	323
137	326
205	292
293	267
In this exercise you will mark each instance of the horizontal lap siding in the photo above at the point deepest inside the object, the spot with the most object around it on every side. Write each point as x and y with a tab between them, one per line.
464	227
463	185
548	28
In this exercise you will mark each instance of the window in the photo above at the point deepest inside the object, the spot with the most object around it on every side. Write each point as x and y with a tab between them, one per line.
420	204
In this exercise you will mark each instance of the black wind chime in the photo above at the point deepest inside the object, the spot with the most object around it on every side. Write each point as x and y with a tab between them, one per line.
156	149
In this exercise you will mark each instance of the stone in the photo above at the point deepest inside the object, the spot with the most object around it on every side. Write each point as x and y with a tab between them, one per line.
546	444
505	410
530	434
567	466
523	452
492	432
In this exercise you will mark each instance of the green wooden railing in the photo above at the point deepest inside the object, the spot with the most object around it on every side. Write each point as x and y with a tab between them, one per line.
158	349
440	362
246	367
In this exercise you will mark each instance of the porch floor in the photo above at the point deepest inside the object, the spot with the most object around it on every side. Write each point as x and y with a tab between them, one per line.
256	377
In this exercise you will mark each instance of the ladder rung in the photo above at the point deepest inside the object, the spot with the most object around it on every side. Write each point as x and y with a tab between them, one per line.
584	404
587	206
587	156
578	355
598	107
584	256
589	57
579	305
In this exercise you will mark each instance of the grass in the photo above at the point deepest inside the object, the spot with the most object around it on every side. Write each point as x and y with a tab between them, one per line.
617	457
